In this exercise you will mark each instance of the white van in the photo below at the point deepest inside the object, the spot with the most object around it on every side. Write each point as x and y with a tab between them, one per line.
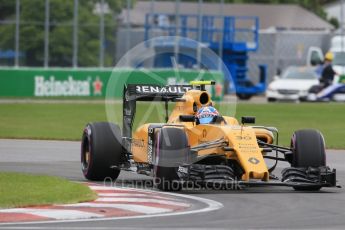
338	43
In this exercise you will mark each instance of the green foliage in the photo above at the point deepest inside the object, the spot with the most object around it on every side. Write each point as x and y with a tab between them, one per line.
32	17
334	21
7	8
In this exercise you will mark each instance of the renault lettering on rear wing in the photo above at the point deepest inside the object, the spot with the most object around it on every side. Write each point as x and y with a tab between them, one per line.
155	89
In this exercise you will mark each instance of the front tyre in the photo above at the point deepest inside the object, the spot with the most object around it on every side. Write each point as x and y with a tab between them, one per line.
172	150
101	150
308	148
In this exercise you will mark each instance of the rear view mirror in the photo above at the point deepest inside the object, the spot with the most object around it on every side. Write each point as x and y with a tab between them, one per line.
248	120
187	118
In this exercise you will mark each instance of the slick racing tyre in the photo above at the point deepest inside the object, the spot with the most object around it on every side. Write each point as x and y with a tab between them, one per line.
171	151
308	151
101	150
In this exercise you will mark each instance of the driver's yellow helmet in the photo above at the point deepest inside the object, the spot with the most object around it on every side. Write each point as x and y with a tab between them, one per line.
329	56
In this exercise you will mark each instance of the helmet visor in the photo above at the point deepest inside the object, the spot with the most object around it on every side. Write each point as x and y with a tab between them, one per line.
205	120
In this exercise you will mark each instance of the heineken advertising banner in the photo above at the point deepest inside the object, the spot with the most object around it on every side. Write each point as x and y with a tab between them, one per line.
35	82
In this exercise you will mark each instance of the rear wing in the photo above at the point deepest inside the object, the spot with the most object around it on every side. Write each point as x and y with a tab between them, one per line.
140	92
155	93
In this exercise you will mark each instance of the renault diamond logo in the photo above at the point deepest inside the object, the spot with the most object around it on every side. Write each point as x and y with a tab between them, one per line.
253	160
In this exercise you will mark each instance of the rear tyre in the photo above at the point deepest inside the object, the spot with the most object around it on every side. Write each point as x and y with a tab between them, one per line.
100	150
171	151
308	151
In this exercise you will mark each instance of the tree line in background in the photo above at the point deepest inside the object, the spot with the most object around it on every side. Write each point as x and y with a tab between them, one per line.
32	18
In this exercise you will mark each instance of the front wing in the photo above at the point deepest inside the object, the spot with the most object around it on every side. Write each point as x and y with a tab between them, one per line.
224	176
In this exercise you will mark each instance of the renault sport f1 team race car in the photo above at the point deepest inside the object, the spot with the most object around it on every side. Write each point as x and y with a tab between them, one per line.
187	150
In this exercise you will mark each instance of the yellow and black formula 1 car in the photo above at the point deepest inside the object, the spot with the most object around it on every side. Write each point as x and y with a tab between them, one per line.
185	150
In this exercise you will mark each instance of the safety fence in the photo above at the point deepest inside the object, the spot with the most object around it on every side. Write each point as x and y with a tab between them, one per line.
82	82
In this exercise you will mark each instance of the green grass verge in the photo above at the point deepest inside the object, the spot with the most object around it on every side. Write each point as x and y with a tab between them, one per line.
328	118
21	190
48	121
66	121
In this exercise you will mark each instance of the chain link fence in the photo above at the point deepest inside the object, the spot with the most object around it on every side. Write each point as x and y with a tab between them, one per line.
67	33
277	50
57	33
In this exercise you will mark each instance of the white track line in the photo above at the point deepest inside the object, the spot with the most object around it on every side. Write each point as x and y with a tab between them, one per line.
134	195
53	213
211	206
105	188
129	207
142	200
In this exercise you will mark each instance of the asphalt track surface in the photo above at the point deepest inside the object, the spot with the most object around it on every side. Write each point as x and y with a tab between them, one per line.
262	208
